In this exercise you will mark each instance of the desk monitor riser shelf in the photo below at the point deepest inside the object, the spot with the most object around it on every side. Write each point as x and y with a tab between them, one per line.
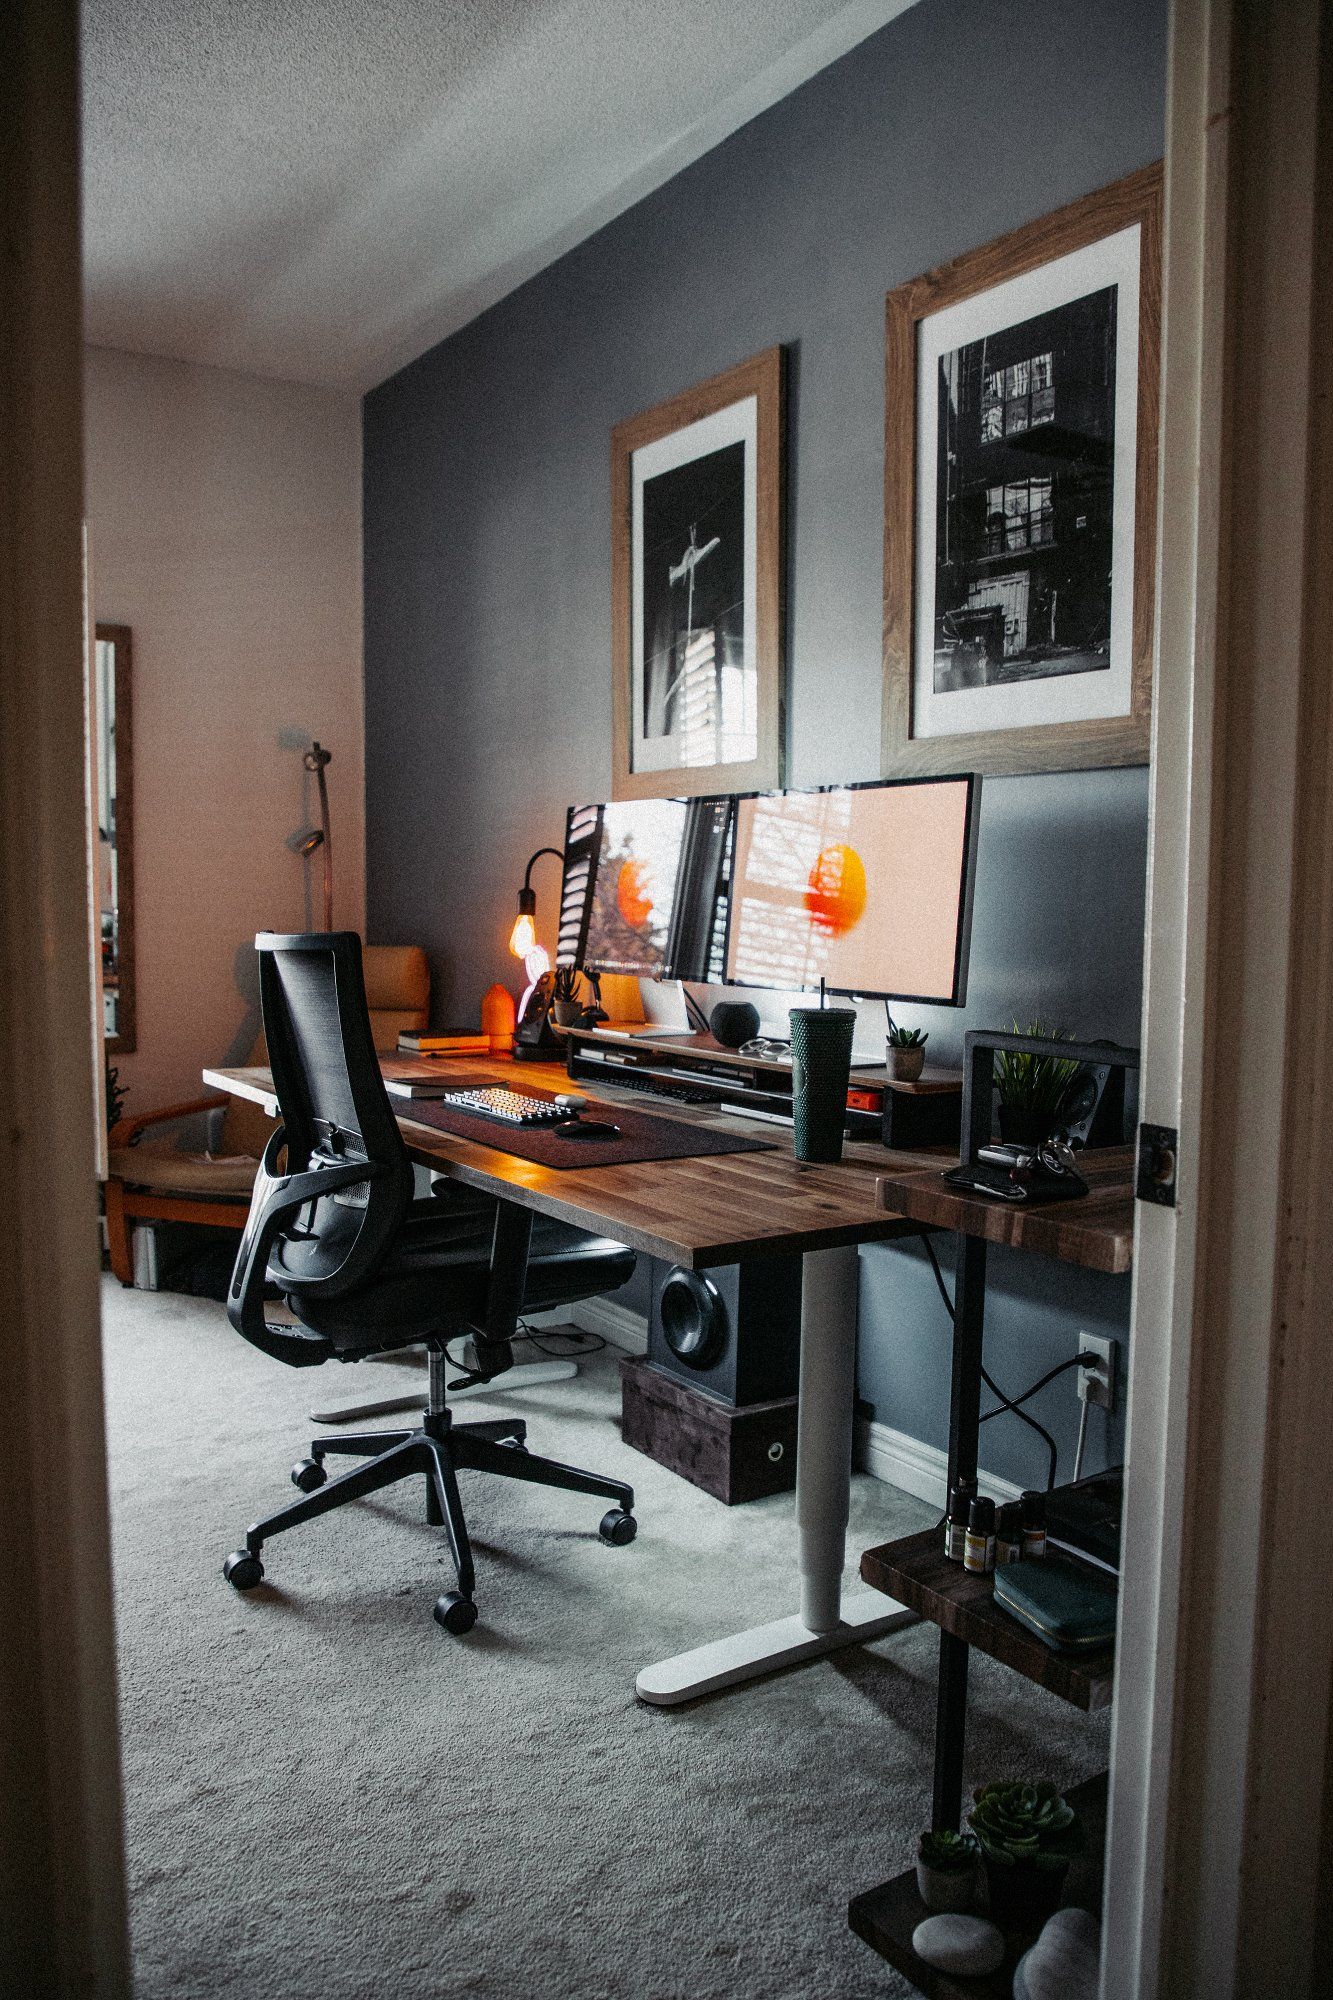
701	1213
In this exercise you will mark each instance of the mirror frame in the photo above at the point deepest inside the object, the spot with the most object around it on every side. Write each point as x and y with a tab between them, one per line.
122	1043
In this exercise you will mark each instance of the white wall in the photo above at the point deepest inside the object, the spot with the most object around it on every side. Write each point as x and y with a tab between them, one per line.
225	520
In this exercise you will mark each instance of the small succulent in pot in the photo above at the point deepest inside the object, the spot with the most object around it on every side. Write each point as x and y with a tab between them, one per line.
906	1049
1029	1835
566	1007
946	1870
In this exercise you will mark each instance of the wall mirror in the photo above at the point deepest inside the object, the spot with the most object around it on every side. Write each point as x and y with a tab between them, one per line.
115	833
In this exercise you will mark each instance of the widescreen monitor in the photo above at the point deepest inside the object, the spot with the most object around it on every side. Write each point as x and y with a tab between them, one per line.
642	884
865	887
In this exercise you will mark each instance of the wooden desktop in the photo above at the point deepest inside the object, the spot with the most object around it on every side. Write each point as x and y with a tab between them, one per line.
700	1212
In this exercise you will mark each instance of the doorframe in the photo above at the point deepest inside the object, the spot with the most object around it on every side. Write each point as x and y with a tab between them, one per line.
1219	1761
62	1892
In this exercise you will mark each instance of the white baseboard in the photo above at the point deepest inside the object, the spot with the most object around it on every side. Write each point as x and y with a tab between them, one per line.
917	1468
617	1324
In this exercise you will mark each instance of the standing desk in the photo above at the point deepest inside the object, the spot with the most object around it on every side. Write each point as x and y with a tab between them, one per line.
699	1213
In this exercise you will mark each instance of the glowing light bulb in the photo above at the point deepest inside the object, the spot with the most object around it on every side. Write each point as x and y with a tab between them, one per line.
523	936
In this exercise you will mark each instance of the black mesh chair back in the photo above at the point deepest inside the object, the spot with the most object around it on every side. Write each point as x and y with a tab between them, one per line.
337	1127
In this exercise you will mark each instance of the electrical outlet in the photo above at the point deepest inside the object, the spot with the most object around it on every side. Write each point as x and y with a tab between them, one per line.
1097	1385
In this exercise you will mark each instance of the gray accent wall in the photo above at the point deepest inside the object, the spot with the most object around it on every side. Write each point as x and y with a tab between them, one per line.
487	562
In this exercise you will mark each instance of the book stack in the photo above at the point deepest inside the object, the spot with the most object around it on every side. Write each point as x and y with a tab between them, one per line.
414	1042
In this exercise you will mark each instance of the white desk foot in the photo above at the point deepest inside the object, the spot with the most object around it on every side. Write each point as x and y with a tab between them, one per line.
764	1649
525	1375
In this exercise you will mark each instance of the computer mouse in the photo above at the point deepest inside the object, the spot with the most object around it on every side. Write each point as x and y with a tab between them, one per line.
591	1128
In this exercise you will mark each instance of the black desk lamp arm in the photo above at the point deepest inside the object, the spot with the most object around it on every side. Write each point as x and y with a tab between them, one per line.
527	895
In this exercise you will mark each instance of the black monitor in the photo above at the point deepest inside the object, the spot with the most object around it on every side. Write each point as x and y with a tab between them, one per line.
642	886
865	887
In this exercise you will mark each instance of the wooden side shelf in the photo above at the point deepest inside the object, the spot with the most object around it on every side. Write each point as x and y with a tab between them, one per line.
885	1918
1096	1231
916	1571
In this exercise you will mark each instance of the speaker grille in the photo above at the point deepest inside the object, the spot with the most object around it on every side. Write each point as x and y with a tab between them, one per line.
694	1319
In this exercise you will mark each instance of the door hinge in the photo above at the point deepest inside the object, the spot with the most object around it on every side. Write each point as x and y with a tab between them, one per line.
1155	1178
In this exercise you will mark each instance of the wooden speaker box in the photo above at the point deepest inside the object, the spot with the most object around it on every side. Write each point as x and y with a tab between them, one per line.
734	1454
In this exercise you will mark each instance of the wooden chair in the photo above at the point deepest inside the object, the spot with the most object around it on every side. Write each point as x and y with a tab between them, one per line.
155	1181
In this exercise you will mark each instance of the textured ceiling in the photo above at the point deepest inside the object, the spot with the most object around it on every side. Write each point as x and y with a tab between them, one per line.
321	189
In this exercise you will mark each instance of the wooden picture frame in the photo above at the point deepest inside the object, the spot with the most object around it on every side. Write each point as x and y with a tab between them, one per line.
120	639
927	668
660	468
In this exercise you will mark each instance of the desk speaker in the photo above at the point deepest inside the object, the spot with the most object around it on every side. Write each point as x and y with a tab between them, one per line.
734	1331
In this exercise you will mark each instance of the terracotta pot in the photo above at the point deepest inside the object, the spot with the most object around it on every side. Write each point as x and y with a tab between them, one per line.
906	1065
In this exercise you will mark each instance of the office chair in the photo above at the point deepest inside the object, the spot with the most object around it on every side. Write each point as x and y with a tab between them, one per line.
363	1267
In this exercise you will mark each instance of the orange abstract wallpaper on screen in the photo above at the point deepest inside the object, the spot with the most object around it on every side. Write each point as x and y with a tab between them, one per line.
858	887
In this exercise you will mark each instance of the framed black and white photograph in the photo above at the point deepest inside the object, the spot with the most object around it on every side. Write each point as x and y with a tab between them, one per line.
1019	498
697	588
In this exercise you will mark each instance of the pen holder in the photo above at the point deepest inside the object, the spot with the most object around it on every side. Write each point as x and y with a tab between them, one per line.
821	1061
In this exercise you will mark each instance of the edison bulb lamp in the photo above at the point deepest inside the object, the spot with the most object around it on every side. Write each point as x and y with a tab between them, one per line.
523	937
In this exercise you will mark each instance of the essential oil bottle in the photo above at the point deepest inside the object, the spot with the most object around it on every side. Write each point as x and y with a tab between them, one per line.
979	1549
1034	1524
1009	1533
955	1527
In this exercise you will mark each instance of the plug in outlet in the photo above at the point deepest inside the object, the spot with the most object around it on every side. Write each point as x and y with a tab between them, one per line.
1097	1385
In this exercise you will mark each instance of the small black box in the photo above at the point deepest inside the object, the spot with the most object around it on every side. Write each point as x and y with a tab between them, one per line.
734	1454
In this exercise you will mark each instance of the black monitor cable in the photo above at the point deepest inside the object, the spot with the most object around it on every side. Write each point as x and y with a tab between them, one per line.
1014	1403
574	1343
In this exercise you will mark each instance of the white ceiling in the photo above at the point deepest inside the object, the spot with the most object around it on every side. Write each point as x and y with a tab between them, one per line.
321	189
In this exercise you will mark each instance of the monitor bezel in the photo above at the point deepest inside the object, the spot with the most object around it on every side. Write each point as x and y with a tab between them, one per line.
666	974
963	937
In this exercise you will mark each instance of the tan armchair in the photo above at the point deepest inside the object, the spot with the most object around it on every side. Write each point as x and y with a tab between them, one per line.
152	1180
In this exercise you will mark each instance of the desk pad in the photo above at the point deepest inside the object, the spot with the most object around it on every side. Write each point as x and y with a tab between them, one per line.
643	1135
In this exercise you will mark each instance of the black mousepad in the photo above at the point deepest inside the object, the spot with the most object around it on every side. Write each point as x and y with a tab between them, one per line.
643	1135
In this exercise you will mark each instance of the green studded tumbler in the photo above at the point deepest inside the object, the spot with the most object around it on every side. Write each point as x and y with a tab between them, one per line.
821	1061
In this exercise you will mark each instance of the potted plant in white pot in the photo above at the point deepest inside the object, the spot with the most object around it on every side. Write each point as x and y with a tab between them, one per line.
946	1870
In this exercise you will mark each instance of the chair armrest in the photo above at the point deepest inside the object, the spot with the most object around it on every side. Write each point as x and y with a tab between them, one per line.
275	1197
126	1131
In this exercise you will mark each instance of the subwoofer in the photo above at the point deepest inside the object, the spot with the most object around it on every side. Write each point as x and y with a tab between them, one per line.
734	1331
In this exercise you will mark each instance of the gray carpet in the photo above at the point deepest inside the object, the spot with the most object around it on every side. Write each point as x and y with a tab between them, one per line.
328	1798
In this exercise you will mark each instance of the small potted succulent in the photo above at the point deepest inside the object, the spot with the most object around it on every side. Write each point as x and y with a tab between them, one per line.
946	1870
1028	1836
566	1007
1033	1089
906	1050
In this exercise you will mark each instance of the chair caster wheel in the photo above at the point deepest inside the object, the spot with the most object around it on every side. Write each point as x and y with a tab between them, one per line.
308	1473
457	1614
618	1528
243	1570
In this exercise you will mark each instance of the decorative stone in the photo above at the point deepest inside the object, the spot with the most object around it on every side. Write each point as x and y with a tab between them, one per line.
959	1944
1064	1962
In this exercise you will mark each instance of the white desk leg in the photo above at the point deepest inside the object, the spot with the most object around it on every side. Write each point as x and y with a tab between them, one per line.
823	1486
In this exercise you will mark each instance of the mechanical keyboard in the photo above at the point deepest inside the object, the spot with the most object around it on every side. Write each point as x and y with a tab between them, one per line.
507	1107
